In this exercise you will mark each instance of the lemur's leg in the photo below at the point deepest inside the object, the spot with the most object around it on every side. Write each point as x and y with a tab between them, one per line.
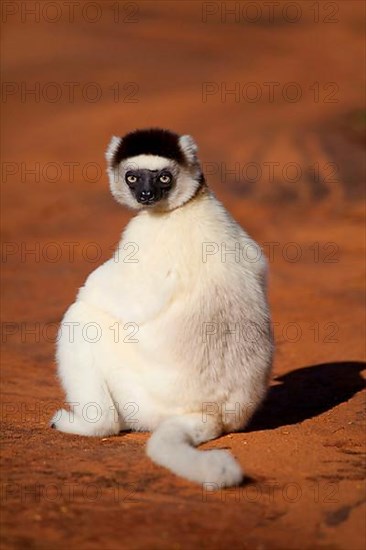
172	445
91	413
92	410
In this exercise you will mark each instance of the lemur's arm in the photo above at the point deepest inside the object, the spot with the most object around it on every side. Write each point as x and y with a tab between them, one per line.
119	294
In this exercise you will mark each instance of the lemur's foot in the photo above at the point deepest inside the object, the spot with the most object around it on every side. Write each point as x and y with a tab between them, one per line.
72	423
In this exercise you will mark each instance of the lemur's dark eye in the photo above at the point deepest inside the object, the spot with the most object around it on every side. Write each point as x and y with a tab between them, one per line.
165	178
130	178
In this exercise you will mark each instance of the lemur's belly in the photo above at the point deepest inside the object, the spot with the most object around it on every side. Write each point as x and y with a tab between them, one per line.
146	383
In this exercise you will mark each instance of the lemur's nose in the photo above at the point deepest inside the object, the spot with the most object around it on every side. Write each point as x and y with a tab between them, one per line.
147	195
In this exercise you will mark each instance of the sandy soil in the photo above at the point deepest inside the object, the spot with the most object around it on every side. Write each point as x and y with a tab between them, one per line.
303	453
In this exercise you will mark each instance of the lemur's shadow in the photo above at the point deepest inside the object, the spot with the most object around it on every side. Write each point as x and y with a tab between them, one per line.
308	392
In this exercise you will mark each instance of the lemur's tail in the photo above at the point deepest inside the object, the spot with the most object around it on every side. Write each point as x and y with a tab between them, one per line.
172	445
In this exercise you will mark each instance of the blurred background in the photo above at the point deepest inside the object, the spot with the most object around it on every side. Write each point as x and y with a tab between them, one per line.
274	94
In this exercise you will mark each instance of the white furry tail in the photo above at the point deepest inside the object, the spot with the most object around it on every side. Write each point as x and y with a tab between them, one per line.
172	445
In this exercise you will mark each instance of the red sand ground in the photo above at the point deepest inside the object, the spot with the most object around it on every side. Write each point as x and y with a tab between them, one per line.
303	453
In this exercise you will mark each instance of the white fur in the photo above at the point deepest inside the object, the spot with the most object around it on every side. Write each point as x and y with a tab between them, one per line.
150	162
175	380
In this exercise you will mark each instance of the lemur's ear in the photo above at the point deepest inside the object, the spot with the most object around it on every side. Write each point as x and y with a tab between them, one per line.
189	148
111	149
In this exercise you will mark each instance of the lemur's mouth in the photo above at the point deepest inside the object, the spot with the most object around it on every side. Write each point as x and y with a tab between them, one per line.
151	196
148	203
147	200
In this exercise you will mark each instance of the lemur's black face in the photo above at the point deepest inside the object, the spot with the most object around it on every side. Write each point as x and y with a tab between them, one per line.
149	186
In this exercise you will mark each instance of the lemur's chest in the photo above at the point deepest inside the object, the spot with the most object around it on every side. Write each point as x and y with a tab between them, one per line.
160	261
160	246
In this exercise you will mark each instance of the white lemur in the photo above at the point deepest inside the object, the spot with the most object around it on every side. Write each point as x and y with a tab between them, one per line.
194	295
